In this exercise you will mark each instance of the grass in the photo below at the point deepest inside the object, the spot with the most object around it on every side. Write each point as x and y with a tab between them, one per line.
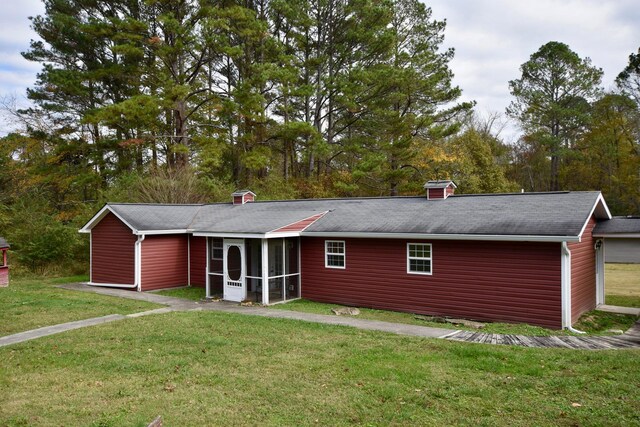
207	368
190	293
622	284
594	322
33	303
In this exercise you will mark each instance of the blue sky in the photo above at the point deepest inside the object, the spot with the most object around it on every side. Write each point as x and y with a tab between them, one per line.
491	38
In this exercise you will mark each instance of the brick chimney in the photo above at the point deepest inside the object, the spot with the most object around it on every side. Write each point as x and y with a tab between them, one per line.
439	190
241	197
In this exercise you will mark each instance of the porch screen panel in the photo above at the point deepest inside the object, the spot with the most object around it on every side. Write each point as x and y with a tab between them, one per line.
284	269
216	267
276	270
253	249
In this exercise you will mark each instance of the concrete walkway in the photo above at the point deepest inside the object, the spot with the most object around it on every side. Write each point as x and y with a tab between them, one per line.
620	310
631	339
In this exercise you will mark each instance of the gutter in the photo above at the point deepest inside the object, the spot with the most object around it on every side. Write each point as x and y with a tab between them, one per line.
138	263
565	262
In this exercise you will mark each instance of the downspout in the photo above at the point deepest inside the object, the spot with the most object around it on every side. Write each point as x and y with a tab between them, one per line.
566	289
138	262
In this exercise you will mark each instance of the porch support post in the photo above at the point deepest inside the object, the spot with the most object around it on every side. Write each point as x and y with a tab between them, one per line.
265	271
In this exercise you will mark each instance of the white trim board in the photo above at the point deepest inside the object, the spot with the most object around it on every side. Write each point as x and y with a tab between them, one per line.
422	236
100	215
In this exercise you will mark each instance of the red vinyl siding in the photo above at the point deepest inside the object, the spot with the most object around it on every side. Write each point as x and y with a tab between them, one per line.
499	281
164	261
198	261
436	193
583	273
112	252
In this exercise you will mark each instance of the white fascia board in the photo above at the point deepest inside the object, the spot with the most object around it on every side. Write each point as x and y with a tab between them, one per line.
230	235
101	214
599	200
269	235
618	235
272	235
422	236
152	232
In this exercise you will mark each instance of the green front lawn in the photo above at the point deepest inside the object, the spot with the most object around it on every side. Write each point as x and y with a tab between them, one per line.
594	322
622	284
207	368
191	293
34	303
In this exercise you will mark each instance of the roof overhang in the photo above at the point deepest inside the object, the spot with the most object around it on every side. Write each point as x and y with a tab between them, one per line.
424	236
600	210
106	209
618	235
246	235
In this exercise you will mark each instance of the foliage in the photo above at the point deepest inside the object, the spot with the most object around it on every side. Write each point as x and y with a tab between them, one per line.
552	100
628	81
610	146
164	101
38	238
475	164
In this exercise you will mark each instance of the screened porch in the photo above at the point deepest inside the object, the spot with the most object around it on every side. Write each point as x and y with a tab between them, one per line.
264	271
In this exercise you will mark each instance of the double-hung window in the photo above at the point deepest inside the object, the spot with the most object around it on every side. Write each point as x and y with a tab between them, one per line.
419	258
334	254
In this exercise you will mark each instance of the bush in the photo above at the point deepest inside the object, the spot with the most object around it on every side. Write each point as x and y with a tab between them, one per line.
40	241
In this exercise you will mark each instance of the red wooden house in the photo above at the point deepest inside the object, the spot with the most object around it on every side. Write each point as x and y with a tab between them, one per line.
4	266
526	257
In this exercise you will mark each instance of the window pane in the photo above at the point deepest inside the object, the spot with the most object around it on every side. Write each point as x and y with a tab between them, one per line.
335	247
335	260
216	248
420	265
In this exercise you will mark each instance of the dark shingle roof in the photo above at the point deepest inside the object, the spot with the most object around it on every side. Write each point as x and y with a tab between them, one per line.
3	243
156	217
618	225
521	214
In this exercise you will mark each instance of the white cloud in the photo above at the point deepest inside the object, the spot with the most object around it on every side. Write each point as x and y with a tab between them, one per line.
492	38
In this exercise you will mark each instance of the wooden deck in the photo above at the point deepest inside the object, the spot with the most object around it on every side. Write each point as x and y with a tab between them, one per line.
630	339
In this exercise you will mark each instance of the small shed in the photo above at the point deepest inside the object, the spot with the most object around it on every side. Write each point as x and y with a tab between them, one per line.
4	266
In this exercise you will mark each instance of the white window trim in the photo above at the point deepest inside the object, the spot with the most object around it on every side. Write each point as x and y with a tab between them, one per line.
343	254
409	258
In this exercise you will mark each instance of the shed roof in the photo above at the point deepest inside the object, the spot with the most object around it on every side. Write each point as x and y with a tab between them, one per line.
3	243
546	216
618	226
